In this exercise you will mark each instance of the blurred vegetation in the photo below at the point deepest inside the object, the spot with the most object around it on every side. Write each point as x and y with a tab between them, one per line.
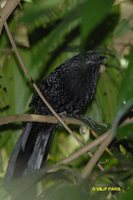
47	33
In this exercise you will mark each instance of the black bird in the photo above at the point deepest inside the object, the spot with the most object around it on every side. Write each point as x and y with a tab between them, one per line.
68	89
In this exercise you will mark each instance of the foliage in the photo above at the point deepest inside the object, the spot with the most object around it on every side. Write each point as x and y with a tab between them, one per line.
47	33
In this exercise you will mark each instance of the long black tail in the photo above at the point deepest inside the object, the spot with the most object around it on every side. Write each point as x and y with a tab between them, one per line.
31	149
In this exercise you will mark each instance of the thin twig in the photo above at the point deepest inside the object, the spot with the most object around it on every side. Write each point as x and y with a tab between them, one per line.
90	165
6	11
27	74
37	118
98	164
83	150
107	150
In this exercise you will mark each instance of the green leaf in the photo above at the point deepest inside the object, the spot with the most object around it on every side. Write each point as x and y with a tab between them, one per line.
26	185
121	28
41	12
18	90
106	94
126	90
64	191
126	131
128	195
3	92
93	13
125	96
56	37
3	193
18	94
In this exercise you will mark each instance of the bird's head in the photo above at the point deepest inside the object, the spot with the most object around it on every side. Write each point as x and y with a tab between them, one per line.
88	63
93	58
84	68
87	59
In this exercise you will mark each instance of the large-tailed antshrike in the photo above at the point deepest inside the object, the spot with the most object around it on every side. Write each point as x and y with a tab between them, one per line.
68	89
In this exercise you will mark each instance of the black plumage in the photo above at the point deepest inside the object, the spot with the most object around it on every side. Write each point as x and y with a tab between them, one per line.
69	88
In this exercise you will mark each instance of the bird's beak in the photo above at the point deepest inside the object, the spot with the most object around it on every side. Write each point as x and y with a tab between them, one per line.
97	60
101	60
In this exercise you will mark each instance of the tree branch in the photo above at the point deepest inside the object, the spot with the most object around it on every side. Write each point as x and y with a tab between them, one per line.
90	165
52	120
83	150
37	118
6	11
